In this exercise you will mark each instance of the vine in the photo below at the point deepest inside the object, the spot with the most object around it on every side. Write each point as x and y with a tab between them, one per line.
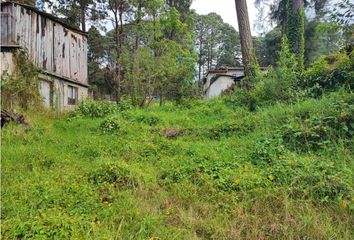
295	31
20	89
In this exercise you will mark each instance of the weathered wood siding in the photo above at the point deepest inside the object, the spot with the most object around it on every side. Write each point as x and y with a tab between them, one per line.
7	29
49	44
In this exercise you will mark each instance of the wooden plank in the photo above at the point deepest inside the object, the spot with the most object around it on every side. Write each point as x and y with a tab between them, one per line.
79	58
33	35
67	56
85	69
38	38
49	44
5	29
13	25
52	46
28	31
58	48
75	67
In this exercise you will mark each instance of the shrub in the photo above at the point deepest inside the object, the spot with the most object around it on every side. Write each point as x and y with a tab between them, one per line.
113	173
315	131
110	125
96	109
248	99
225	129
149	119
278	84
125	103
266	151
312	178
21	88
328	73
198	172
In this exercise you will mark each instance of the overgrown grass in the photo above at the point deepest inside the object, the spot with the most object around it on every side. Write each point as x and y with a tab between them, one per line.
200	170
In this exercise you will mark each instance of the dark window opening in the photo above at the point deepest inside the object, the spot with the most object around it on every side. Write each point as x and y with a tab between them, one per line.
72	95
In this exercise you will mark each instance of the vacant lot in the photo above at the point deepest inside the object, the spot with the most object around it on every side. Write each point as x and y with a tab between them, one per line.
199	170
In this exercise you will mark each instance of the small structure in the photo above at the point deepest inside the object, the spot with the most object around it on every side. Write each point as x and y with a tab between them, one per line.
219	80
59	50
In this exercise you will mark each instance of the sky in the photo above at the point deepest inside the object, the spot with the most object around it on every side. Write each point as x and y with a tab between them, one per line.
226	9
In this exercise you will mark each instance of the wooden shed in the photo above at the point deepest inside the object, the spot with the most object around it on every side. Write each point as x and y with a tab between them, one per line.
57	48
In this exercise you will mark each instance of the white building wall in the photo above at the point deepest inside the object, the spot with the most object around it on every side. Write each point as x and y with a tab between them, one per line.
206	86
7	65
221	84
59	92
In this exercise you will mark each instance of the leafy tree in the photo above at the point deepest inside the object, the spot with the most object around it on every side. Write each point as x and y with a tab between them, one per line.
343	15
99	76
230	48
278	11
267	47
217	43
78	12
321	38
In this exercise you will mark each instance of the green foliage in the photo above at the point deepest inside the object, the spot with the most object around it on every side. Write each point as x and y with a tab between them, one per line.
210	162
21	88
295	30
285	83
329	73
315	132
321	38
98	109
149	119
267	151
95	109
343	15
111	125
217	43
268	46
276	84
282	81
113	173
145	117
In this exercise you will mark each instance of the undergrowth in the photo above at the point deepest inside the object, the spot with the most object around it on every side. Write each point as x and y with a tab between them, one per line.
198	170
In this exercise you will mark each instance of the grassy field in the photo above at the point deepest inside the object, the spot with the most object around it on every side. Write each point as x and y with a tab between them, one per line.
200	170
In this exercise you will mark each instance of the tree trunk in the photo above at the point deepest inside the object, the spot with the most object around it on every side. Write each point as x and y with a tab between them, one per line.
295	29
245	37
82	19
200	56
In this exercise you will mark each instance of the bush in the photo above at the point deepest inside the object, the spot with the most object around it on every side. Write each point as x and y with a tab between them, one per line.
149	119
267	151
248	99
113	173
278	84
315	131
110	125
125	103
225	129
328	73
21	88
96	109
312	178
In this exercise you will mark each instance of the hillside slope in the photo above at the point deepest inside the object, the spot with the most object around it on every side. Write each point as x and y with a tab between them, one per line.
200	170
